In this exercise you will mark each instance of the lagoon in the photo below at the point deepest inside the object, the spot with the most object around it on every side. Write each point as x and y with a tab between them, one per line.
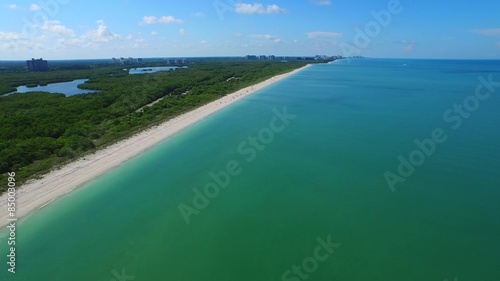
67	88
145	70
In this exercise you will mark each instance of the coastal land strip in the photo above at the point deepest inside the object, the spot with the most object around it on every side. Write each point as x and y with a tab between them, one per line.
36	194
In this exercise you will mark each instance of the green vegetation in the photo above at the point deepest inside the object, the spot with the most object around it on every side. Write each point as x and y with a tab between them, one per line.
41	130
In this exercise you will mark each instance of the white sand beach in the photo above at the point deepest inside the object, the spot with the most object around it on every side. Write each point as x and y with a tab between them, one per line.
38	193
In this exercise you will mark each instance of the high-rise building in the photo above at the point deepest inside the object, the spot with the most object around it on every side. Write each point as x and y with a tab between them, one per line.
37	65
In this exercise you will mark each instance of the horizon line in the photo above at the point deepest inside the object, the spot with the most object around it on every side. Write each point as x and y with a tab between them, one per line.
202	57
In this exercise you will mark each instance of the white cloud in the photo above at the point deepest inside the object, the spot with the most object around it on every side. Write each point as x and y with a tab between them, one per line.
274	9
154	33
35	7
55	28
197	14
270	37
10	36
55	36
12	6
48	32
323	35
100	35
155	20
140	43
487	31
408	45
261	36
92	37
70	42
322	2
182	31
149	20
257	8
404	42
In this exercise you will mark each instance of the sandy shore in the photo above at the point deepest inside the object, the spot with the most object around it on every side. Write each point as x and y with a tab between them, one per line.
39	193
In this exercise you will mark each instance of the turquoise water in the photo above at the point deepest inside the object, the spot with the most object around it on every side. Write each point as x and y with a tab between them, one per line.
319	177
67	88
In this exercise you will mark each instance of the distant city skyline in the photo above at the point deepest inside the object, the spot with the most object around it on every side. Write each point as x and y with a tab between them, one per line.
70	29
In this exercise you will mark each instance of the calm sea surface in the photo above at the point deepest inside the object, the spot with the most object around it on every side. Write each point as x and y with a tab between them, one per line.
358	170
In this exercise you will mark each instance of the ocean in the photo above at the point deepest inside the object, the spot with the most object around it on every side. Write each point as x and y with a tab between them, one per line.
362	169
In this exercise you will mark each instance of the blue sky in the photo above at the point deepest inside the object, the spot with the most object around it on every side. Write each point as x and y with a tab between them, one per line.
76	29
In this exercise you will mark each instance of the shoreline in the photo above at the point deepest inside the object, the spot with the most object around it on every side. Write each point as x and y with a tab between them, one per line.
36	194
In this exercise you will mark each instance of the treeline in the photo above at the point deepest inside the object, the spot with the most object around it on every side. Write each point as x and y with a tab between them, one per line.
41	130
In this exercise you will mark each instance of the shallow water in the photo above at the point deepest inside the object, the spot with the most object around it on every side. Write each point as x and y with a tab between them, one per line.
145	70
315	176
67	88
